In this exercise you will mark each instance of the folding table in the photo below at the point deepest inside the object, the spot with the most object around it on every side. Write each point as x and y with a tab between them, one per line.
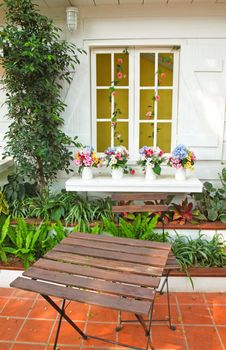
112	272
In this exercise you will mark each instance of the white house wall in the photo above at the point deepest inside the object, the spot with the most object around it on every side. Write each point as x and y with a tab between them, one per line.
199	30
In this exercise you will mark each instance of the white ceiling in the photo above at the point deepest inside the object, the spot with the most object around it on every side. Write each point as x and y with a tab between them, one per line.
65	3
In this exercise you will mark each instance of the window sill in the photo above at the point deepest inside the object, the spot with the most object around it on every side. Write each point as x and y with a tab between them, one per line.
131	183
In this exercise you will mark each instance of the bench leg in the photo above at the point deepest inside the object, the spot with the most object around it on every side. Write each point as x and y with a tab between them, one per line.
62	314
171	326
59	325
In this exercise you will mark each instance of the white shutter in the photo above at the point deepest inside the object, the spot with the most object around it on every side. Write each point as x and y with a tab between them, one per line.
202	91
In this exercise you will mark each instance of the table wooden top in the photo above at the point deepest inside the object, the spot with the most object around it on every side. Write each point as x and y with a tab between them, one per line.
112	272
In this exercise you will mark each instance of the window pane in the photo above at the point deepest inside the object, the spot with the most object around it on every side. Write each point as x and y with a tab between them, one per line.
103	104
164	136
121	134
121	100
165	69
146	104
103	136
103	66
147	69
165	104
121	62
146	134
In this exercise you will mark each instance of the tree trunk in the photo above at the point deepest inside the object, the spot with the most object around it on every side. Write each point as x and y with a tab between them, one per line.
41	177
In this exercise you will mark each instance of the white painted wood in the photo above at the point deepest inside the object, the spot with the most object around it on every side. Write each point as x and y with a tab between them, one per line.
108	2
133	184
5	164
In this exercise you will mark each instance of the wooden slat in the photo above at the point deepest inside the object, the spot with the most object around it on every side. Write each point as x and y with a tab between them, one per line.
104	263
91	284
106	254
139	208
114	247
109	301
121	240
138	196
98	273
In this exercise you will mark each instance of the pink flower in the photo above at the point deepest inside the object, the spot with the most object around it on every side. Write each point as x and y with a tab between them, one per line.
148	115
119	60
132	171
157	98
114	123
113	93
163	75
119	75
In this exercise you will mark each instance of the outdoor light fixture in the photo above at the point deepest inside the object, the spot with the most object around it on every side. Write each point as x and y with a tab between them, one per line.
72	18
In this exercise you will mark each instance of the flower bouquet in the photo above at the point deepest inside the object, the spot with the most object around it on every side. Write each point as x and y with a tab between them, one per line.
182	158
151	159
85	159
116	158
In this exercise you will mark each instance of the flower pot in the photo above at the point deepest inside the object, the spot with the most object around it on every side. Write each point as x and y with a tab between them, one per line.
87	173
117	174
180	174
149	174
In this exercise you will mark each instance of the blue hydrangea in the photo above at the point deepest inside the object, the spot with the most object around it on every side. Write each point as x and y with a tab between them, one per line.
180	152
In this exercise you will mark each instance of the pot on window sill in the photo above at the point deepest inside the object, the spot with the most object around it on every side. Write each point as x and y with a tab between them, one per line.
150	174
180	174
87	173
117	174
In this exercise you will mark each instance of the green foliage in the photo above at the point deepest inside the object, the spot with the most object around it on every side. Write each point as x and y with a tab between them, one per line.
28	242
4	249
199	252
36	61
4	208
141	228
211	203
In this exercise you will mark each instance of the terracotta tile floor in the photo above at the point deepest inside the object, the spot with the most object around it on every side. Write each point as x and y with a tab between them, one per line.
27	322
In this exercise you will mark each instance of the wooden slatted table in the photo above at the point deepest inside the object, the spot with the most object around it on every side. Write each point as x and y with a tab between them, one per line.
116	273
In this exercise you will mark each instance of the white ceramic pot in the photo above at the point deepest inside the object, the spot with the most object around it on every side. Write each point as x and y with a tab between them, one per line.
87	173
180	174
149	174
117	174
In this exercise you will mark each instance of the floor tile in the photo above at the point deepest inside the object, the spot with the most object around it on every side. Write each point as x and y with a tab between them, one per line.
202	338
219	314
160	312
42	309
195	314
6	292
28	347
222	333
100	330
190	298
35	331
162	299
100	314
215	298
77	311
23	294
67	334
133	335
17	307
164	338
3	301
9	328
5	346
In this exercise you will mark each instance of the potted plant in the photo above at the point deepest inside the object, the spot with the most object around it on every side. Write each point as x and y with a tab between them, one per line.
116	158
151	159
182	158
85	159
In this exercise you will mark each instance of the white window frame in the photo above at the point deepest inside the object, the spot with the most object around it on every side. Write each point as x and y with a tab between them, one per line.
134	94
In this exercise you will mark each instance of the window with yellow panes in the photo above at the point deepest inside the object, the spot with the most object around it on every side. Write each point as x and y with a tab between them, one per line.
134	98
